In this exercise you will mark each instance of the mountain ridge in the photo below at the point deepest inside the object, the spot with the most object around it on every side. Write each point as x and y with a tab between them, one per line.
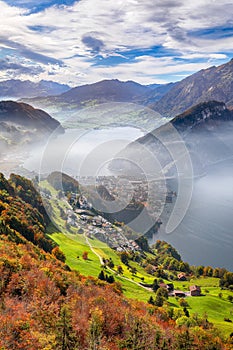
25	115
25	88
213	83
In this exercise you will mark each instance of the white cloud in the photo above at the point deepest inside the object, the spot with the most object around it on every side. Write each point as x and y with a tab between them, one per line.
74	34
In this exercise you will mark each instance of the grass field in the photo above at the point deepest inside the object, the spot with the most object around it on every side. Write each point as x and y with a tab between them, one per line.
210	303
74	245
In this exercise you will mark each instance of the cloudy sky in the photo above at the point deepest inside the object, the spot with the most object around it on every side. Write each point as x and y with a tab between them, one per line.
78	42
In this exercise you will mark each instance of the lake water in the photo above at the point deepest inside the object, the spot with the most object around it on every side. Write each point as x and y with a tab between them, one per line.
205	236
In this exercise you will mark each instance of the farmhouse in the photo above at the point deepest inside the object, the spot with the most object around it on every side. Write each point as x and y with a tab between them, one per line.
182	277
178	293
195	291
169	286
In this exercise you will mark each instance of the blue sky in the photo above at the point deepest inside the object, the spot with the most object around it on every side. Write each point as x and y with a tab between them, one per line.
79	42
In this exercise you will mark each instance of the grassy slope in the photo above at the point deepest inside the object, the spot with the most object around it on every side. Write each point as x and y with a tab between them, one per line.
216	308
75	245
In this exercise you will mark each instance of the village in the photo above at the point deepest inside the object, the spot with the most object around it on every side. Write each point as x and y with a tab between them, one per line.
152	193
83	218
135	191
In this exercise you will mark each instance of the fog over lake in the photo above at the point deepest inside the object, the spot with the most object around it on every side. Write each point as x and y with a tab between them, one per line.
69	151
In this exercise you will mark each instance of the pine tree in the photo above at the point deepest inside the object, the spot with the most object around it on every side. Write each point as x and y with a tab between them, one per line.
110	279
102	276
151	300
65	337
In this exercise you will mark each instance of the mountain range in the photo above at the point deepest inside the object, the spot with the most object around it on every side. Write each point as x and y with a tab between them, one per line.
15	88
93	95
169	100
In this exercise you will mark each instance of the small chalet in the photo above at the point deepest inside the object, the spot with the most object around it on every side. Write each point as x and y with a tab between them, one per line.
178	293
195	291
169	286
182	277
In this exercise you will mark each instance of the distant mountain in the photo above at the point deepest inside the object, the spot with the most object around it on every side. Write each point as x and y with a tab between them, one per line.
73	104
105	91
18	88
155	93
20	124
214	83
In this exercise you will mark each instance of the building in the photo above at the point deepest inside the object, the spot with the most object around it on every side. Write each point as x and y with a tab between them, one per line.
169	286
178	293
181	277
195	291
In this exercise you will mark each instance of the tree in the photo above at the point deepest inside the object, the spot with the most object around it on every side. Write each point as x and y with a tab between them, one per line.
85	255
159	300
110	279
186	312
151	301
59	254
101	276
162	292
95	330
111	263
120	269
183	302
65	338
125	258
155	285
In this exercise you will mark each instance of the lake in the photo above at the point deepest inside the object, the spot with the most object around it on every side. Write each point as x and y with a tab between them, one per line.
205	236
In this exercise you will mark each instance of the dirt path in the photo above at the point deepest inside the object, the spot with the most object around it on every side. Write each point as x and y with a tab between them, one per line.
102	263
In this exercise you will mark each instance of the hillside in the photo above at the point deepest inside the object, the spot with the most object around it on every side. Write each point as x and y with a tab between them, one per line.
204	129
214	83
19	88
21	124
44	305
155	94
139	271
22	214
25	115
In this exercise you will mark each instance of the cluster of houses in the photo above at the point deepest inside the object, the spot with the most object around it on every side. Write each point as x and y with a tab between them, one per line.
124	187
150	192
82	217
193	290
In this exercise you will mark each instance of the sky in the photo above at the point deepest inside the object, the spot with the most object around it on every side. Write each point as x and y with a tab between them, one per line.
81	42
